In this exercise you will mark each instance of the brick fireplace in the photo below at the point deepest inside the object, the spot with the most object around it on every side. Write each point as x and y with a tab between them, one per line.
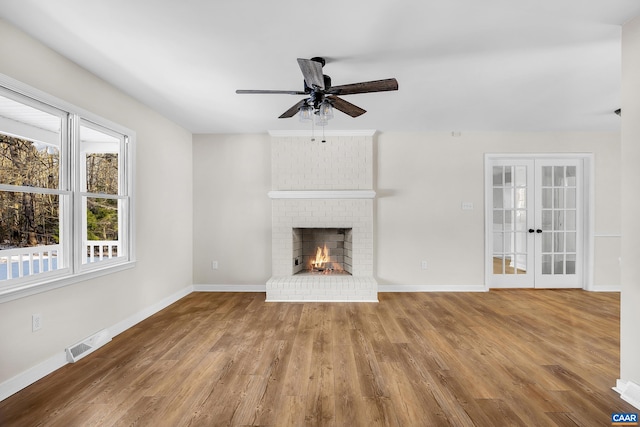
322	186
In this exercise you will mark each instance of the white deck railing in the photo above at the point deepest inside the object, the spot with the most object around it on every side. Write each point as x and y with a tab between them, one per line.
97	250
20	262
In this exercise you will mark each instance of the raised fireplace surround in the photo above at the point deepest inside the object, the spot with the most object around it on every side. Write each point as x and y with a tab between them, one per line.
318	186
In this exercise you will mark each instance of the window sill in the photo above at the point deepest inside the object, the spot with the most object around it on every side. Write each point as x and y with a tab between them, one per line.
33	288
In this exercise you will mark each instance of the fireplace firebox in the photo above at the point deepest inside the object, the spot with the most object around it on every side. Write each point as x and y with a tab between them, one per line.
322	250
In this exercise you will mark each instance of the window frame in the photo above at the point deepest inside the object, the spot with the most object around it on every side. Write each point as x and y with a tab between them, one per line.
71	195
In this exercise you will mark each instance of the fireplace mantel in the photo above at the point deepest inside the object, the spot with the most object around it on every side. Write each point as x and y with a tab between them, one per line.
322	194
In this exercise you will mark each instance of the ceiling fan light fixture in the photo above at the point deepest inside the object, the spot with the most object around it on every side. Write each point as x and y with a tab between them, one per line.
325	111
320	121
305	113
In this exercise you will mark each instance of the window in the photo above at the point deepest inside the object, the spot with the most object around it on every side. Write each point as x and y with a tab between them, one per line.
65	192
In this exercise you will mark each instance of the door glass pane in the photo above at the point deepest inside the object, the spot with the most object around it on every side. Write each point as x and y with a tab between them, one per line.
546	242
497	176
571	264
508	220
546	176
558	242
571	198
498	220
546	264
521	176
570	220
558	198
498	264
521	198
571	176
558	176
497	198
508	170
498	246
558	220
558	264
571	242
508	198
521	242
509	242
546	198
547	220
521	262
509	265
521	220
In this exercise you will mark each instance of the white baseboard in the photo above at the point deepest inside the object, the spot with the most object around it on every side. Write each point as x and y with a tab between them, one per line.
57	361
229	288
427	288
601	288
33	374
138	317
629	392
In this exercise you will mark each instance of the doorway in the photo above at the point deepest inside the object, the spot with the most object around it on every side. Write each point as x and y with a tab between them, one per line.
536	211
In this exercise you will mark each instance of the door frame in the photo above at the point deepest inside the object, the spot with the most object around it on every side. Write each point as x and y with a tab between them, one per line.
588	225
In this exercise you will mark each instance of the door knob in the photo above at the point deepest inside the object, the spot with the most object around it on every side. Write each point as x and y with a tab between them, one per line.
531	230
538	231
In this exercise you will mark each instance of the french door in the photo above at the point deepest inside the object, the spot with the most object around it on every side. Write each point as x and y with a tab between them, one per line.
535	229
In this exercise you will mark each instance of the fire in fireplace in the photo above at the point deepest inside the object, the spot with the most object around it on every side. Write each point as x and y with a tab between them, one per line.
322	250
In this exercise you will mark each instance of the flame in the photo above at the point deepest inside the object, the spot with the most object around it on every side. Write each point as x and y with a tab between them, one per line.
322	257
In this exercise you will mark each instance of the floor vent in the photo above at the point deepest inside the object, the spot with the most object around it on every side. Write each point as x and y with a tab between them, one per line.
87	345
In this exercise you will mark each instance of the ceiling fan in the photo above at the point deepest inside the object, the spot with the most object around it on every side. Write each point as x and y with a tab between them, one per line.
321	96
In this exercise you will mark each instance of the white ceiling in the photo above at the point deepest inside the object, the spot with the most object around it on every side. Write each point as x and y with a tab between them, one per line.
462	65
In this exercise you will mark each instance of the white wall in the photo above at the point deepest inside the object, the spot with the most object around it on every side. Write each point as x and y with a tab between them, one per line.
421	180
231	210
630	297
163	215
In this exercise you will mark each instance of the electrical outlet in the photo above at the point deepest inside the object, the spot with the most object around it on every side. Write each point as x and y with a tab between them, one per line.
214	265
424	265
36	322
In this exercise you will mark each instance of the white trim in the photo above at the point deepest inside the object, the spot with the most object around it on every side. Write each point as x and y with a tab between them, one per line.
604	288
75	271
35	287
309	133
588	203
607	235
138	317
33	374
428	288
629	392
57	361
229	288
48	99
322	194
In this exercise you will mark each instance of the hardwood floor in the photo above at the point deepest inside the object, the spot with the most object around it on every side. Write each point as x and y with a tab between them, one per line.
510	357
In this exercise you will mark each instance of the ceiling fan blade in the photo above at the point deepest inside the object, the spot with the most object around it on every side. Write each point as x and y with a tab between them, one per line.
293	110
285	92
312	72
364	87
345	107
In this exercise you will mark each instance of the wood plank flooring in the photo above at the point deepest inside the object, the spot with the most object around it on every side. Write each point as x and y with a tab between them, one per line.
508	357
